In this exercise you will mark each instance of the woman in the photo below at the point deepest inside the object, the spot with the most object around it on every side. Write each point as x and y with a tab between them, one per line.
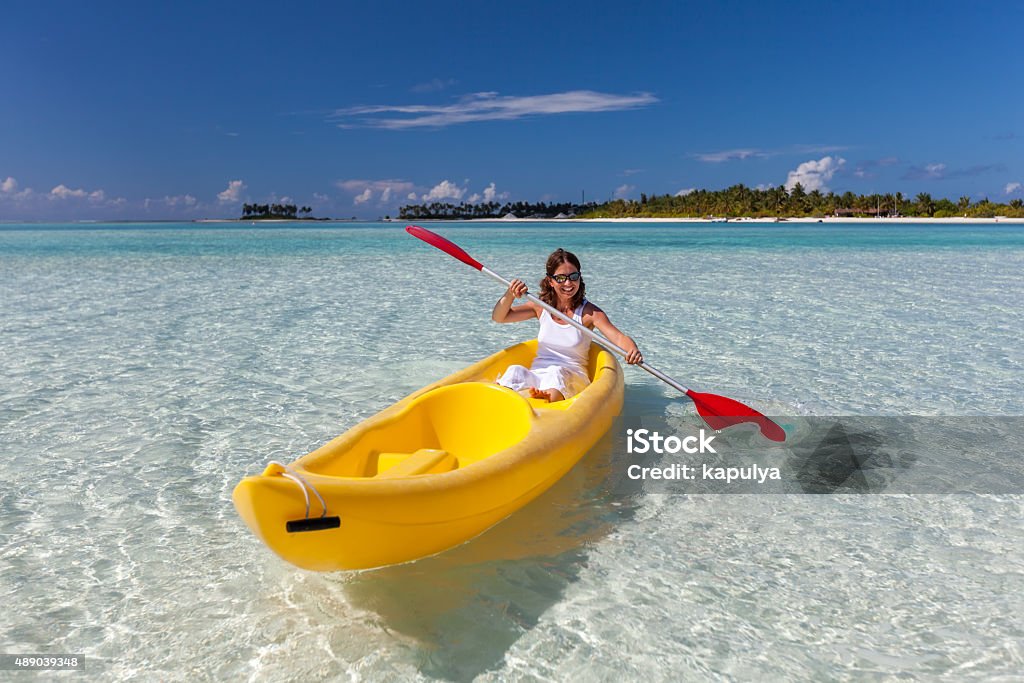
559	370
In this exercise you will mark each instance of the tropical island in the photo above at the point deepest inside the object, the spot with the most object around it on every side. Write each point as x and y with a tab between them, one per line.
733	202
484	210
278	212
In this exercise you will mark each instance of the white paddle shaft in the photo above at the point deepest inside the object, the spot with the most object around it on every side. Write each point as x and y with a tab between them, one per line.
597	338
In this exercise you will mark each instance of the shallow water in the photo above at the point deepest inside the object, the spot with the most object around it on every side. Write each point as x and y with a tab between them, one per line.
149	368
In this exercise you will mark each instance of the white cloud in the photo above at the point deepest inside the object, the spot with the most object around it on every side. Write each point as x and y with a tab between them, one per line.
684	192
61	199
444	190
813	175
622	191
9	190
233	193
358	186
490	193
731	155
942	172
927	172
1013	187
411	196
487	106
64	192
743	154
812	149
385	190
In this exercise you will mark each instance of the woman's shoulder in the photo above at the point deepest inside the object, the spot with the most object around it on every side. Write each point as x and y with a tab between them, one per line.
590	308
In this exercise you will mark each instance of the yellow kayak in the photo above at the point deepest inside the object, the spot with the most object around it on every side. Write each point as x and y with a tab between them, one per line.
429	472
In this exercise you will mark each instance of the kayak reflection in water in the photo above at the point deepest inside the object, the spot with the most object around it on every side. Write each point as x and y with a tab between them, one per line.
559	370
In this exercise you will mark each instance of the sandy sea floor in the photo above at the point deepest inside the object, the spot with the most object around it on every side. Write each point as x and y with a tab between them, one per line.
147	370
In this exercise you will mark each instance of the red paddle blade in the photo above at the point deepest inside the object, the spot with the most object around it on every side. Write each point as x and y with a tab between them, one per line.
721	412
444	245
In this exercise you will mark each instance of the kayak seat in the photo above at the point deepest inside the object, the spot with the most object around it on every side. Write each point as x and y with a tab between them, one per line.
423	461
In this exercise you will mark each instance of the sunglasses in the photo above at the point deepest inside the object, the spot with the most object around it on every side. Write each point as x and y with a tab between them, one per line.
572	277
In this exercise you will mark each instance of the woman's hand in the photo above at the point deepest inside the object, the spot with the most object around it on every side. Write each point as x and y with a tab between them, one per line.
633	355
505	312
516	289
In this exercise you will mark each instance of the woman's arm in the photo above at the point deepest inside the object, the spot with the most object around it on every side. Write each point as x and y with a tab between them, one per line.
505	312
601	322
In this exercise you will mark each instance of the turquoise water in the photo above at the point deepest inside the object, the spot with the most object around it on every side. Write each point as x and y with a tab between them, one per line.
239	238
148	368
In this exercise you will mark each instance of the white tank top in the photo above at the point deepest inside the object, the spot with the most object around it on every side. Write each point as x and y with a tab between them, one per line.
562	345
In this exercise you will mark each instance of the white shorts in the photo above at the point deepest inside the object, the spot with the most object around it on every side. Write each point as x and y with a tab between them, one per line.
568	381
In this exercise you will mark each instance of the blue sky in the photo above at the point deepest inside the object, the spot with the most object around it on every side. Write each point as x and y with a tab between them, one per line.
145	110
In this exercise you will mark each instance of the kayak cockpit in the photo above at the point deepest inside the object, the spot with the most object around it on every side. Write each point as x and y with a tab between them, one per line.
444	429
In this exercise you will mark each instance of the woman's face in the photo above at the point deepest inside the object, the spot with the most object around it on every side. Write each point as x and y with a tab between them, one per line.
567	289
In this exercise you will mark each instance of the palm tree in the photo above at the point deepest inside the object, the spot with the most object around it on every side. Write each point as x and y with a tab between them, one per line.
796	197
815	199
887	201
925	203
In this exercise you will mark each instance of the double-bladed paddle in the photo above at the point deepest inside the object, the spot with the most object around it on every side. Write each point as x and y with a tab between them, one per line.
718	411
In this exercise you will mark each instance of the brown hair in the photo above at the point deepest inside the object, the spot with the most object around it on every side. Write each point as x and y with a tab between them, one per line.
547	292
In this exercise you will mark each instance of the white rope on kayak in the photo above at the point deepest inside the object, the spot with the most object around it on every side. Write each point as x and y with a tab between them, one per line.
289	473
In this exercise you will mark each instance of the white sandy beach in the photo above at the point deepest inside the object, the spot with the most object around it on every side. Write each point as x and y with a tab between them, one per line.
903	220
958	220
